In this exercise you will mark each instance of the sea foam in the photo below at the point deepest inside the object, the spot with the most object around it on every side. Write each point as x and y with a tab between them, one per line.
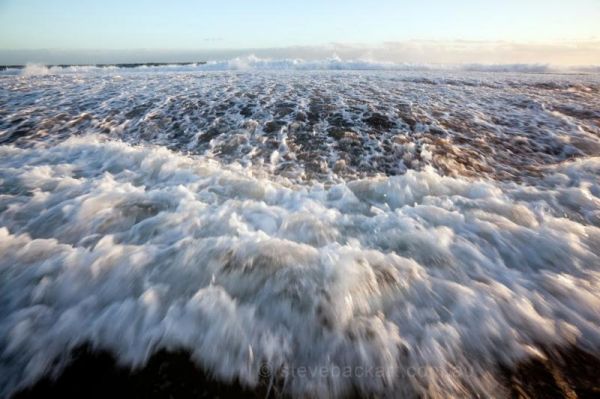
134	248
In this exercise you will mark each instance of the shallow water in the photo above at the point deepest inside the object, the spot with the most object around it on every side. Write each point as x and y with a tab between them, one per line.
427	226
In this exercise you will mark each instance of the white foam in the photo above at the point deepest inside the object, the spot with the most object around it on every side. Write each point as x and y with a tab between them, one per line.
136	248
35	70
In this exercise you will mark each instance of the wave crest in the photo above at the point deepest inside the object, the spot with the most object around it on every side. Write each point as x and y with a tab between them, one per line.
333	63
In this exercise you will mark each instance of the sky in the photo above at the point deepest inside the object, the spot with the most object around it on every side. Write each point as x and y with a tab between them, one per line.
555	31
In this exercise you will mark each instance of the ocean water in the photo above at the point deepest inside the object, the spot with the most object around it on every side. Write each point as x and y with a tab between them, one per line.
344	227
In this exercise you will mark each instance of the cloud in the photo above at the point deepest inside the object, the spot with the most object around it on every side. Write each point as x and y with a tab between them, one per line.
415	51
465	52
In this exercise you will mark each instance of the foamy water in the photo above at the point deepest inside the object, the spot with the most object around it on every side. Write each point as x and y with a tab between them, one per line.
427	226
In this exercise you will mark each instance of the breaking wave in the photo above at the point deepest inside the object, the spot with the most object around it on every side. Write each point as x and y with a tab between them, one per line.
336	63
333	63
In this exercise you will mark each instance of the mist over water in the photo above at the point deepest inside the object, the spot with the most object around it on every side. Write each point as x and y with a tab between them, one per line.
386	220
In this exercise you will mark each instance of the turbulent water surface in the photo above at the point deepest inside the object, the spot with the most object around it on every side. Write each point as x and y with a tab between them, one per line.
375	232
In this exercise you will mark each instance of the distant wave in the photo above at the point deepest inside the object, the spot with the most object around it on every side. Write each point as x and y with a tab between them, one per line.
333	63
336	63
35	70
522	68
38	69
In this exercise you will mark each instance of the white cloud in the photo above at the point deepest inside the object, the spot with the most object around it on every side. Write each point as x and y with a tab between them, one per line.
416	51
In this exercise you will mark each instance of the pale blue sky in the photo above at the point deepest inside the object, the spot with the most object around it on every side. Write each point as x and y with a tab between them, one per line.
183	25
